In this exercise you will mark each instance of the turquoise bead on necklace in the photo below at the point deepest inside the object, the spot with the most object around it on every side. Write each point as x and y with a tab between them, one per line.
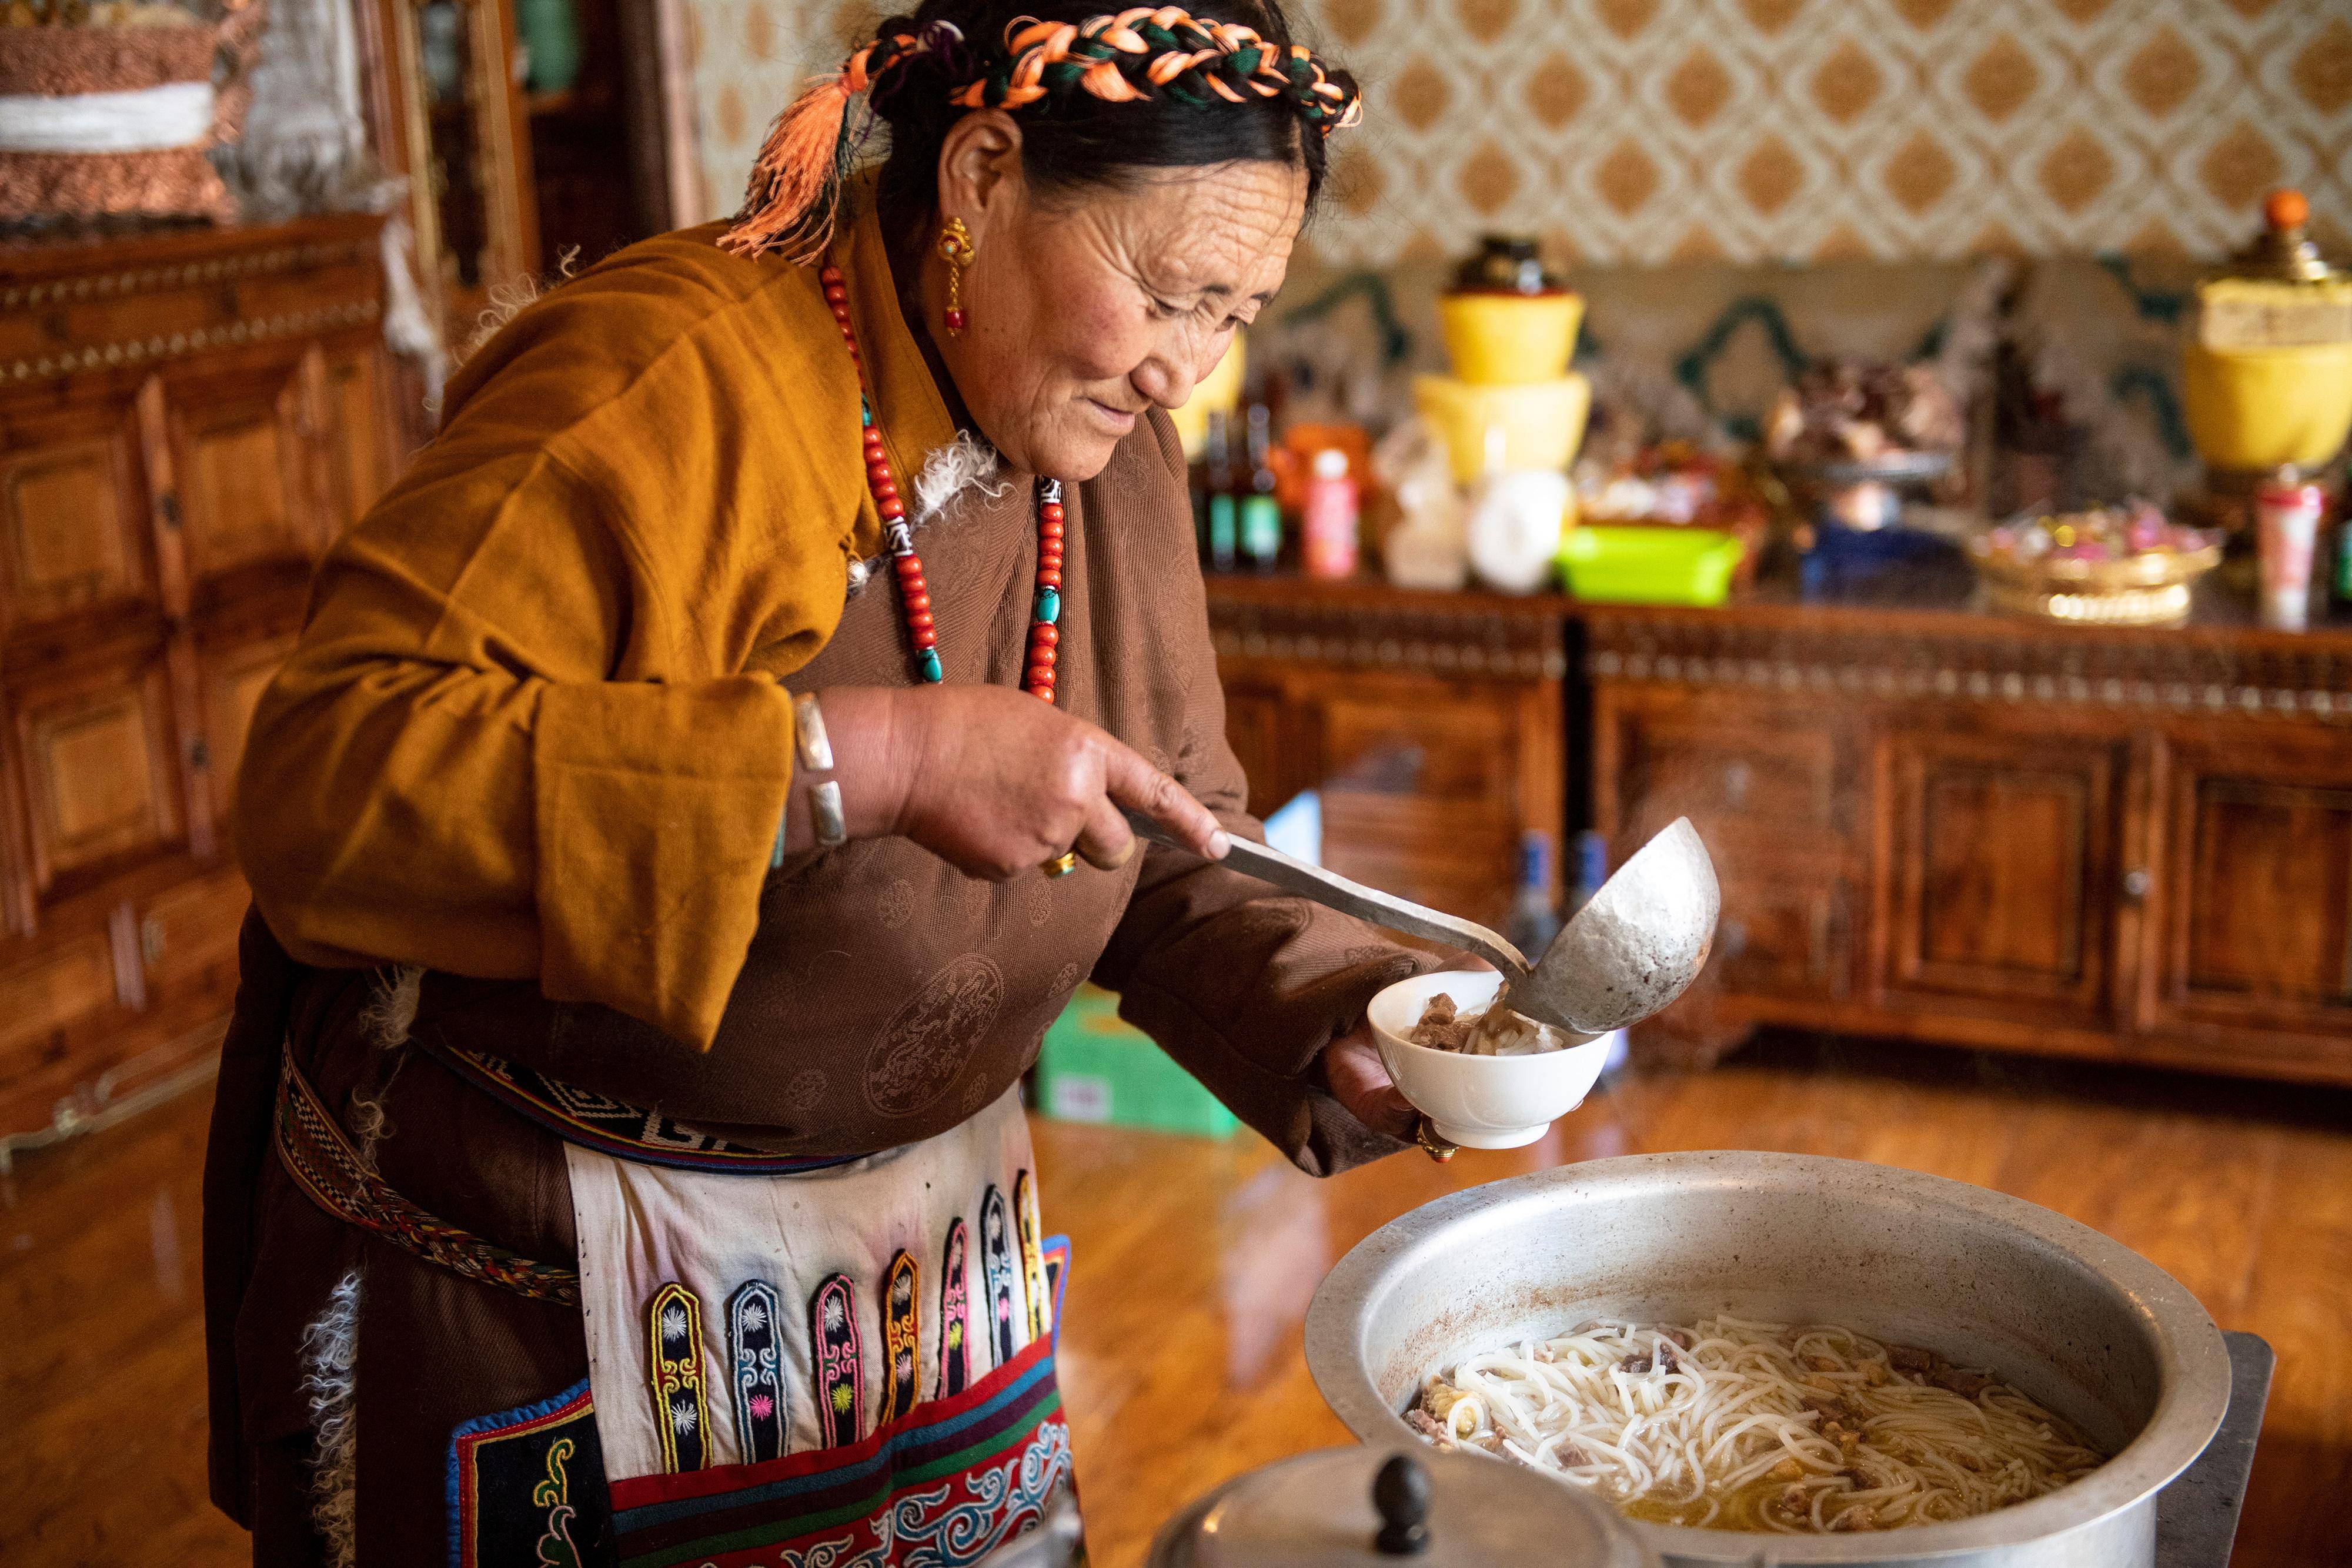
913	593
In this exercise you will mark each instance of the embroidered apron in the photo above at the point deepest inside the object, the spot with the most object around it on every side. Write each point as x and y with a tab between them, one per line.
846	1365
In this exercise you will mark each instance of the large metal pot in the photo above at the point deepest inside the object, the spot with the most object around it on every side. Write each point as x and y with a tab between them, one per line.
2080	1322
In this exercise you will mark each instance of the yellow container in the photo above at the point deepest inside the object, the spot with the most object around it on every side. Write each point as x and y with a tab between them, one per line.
1541	423
2253	410
1221	389
1510	340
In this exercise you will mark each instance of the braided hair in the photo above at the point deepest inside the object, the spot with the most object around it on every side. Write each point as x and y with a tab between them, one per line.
1101	98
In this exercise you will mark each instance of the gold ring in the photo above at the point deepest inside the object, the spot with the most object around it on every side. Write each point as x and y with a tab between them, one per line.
1425	1133
1062	864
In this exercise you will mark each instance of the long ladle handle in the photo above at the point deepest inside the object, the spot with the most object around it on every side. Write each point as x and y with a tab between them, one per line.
1336	892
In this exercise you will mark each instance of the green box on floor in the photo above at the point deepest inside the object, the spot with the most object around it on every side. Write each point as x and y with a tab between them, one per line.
1096	1067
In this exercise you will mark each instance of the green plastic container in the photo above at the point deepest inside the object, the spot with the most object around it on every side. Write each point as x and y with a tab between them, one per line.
1649	566
1096	1067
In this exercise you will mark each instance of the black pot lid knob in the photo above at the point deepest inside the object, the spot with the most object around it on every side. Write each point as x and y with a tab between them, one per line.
1401	1497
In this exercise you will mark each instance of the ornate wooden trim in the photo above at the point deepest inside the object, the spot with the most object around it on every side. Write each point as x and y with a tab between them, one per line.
2156	673
183	274
1425	640
164	346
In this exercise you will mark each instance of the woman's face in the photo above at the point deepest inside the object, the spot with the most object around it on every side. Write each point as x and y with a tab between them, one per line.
1084	309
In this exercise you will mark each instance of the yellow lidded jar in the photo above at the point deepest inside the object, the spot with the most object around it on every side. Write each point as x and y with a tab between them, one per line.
1507	321
2266	374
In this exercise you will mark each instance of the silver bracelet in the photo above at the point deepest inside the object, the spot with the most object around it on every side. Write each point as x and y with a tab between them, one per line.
815	749
824	810
809	737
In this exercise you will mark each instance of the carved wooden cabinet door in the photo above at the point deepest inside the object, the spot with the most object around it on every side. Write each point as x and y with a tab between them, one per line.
74	538
1770	785
1428	783
2002	850
2252	893
354	396
1259	726
251	476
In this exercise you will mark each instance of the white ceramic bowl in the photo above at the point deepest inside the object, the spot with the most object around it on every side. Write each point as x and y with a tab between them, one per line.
1479	1102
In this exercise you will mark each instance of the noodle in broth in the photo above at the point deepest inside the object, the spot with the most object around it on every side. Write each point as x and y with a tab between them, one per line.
1731	1424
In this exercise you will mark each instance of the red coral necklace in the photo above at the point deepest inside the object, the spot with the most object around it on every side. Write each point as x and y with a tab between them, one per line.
914	594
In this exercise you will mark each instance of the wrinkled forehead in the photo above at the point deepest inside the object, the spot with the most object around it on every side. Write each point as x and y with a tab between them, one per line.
1227	225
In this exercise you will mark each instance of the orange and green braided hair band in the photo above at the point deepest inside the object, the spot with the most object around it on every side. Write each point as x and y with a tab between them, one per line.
1139	53
1143	53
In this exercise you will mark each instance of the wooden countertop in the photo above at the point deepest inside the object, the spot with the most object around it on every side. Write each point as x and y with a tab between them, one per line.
2218	617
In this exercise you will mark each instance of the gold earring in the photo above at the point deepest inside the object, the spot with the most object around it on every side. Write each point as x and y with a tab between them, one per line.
956	250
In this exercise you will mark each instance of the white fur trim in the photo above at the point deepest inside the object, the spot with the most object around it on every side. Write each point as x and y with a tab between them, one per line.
962	464
330	1354
385	1021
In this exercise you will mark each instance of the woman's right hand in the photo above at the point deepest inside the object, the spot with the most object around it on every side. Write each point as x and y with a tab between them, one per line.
994	781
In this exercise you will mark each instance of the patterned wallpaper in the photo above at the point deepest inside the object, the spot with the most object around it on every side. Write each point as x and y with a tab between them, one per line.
1660	130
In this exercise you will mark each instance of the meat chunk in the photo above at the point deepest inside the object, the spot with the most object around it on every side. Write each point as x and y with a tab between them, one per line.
1910	1358
1493	1031
1422	1422
1442	1027
1967	1385
1666	1362
1439	1397
1635	1364
1831	1410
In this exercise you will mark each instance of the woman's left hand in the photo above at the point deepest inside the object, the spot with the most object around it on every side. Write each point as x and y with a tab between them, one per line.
1352	1070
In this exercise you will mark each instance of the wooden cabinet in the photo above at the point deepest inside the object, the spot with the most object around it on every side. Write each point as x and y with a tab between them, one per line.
1433	740
1967	828
1928	823
2249	953
185	421
1998	856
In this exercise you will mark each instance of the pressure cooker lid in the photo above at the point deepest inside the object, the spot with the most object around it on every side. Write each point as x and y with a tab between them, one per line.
1395	1508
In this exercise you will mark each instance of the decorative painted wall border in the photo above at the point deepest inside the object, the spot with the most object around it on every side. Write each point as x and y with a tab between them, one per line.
164	346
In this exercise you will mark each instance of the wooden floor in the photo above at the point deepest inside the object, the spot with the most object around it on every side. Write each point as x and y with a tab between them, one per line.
1194	1261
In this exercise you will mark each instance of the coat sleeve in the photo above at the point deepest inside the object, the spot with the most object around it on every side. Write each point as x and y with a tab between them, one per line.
509	743
1243	985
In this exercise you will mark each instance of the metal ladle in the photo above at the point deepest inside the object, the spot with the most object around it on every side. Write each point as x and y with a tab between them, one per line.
1633	949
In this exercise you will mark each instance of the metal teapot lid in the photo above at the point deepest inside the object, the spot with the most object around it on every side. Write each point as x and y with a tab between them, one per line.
2282	252
1505	264
1399	1507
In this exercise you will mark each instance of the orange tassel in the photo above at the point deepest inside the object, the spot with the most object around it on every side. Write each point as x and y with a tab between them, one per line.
794	183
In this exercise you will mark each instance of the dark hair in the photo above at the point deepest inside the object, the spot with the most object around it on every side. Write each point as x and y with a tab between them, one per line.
1072	139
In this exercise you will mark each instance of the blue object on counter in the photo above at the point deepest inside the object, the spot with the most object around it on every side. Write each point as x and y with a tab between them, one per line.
1845	560
1295	827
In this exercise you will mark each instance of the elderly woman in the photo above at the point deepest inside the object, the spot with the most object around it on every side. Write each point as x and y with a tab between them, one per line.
659	840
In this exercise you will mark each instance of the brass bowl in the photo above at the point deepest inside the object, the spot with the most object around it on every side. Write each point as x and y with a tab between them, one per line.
2149	589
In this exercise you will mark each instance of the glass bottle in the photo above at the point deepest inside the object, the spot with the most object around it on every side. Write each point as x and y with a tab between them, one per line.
1535	919
1261	512
1217	509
